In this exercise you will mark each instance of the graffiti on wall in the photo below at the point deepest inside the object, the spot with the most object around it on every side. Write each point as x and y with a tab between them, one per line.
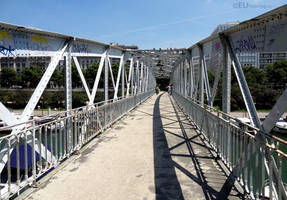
250	40
7	51
4	36
39	39
22	44
81	48
245	44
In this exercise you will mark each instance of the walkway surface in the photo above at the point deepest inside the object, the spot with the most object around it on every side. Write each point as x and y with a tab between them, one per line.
152	153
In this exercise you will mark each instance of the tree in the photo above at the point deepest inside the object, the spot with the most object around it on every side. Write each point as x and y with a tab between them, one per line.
57	78
277	72
256	79
211	77
9	77
31	76
76	80
254	75
91	73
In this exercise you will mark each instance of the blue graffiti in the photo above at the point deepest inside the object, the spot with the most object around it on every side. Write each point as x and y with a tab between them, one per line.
7	51
81	48
245	44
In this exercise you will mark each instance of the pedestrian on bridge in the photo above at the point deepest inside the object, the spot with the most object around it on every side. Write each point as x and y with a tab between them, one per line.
169	89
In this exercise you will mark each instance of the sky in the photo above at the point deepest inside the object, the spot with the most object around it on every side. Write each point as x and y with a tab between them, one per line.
145	23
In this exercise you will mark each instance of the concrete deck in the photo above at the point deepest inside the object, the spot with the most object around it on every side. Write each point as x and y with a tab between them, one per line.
152	153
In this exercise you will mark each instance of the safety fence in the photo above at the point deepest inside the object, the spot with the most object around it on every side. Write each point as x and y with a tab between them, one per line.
256	160
37	147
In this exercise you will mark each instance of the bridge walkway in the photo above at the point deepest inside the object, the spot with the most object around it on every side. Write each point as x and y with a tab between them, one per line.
152	153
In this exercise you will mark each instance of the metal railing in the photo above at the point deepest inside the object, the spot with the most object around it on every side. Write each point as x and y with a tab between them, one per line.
258	166
35	149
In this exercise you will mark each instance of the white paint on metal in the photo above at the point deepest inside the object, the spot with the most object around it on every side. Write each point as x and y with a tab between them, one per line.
82	78
111	72
278	109
118	78
96	83
42	85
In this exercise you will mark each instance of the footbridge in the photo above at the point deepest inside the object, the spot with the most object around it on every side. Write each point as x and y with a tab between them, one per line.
135	144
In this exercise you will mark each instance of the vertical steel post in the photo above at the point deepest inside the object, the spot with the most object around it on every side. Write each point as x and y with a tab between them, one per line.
141	77
137	78
123	77
106	87
132	78
68	95
200	82
181	78
68	79
191	75
184	77
147	77
242	84
226	79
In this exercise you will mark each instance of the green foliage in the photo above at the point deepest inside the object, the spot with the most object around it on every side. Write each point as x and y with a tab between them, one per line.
76	80
31	76
57	78
115	70
9	77
211	77
277	72
264	97
15	99
90	74
254	75
79	99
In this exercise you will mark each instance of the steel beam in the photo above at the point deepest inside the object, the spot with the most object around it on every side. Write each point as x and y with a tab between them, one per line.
42	84
123	77
106	83
206	81
201	74
82	78
277	111
98	76
184	77
129	83
111	72
243	85
141	76
118	78
226	78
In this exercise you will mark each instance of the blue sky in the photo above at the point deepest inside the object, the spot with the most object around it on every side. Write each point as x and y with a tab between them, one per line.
146	23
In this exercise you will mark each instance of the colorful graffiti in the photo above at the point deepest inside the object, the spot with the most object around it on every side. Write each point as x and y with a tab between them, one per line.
4	36
7	51
217	46
247	44
81	48
39	39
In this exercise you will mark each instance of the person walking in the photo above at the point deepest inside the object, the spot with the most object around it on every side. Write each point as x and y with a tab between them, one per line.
169	89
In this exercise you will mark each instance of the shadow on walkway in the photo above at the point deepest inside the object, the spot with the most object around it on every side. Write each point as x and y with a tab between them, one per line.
206	172
166	182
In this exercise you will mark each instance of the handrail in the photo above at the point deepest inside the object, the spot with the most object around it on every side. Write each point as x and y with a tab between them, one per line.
48	144
241	151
